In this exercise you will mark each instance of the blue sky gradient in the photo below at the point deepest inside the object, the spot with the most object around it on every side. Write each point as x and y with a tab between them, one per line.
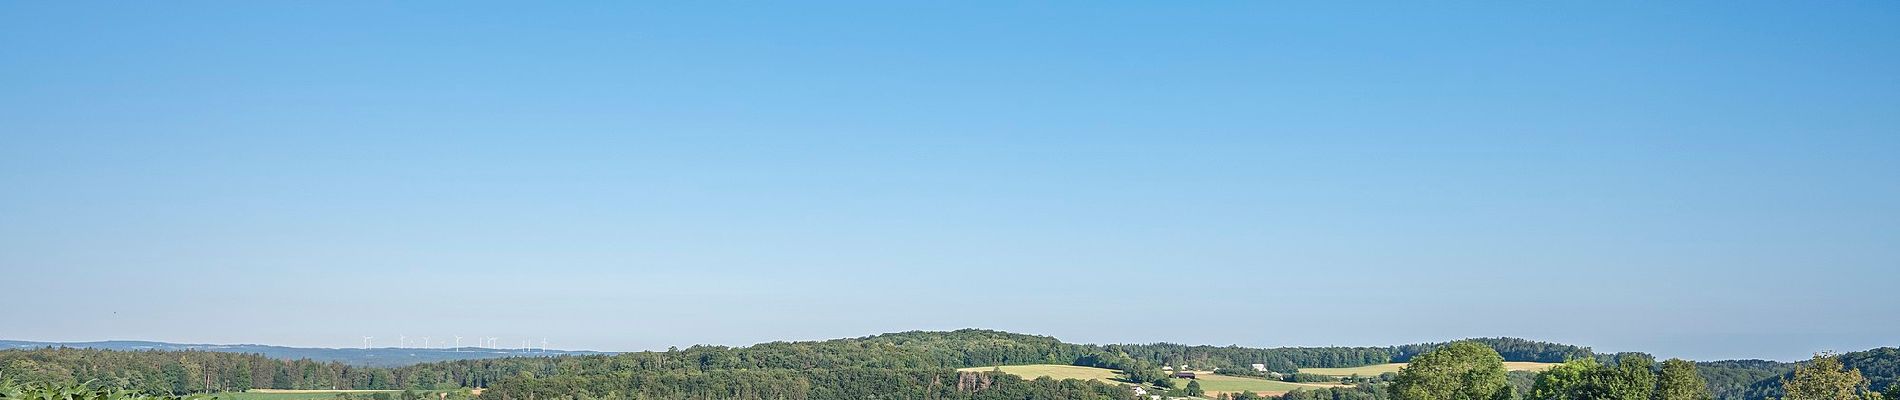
1695	179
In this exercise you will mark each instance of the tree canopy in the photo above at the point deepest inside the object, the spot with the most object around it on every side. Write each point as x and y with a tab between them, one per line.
1457	371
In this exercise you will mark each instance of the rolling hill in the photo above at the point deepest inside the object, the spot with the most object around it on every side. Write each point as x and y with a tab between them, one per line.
371	357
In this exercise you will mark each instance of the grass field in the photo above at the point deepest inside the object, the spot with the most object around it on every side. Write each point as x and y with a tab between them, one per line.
285	394
1373	370
1057	372
1217	384
1213	384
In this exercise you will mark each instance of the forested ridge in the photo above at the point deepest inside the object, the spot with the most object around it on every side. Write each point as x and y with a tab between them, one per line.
907	364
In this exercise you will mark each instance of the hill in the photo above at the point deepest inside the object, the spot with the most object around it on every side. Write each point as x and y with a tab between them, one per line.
915	364
371	357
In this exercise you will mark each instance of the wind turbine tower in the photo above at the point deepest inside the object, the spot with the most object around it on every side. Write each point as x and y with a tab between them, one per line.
368	342
458	343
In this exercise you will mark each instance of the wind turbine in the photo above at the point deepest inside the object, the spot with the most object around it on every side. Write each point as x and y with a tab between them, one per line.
544	345
367	342
458	343
403	339
425	342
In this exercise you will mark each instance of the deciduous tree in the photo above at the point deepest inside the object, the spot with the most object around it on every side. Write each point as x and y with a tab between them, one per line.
1457	371
1823	378
1680	380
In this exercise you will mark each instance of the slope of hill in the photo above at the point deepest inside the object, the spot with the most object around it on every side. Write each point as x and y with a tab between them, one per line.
371	357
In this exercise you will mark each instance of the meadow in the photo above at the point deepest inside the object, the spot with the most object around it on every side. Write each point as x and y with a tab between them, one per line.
1215	384
1210	382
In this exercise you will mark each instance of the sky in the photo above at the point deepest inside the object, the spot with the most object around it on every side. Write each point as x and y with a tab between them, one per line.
1693	179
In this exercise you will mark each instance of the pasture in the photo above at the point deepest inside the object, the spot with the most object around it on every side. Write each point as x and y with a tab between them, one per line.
1376	369
1217	384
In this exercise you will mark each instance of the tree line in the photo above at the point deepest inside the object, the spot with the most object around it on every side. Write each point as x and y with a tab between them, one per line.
1474	371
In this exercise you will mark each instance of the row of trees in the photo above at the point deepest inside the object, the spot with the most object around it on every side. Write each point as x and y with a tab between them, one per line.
185	372
1632	377
1474	371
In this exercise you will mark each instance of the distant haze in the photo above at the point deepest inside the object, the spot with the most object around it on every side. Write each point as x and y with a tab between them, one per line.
1693	179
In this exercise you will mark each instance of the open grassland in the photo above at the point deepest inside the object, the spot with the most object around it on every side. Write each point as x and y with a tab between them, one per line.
1217	384
1057	372
1376	369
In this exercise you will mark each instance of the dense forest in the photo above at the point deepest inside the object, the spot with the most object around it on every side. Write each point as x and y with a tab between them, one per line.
901	365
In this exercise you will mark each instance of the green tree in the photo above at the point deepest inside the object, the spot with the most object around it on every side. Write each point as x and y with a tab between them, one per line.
1680	380
1194	388
1824	378
1458	371
1634	378
1564	380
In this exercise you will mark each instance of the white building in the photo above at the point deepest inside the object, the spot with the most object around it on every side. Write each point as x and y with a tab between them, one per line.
1260	367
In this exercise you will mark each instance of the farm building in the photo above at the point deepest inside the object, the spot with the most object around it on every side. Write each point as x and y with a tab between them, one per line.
1184	375
1260	367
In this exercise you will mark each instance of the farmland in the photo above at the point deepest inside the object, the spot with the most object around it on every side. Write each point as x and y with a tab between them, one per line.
1376	369
1214	384
1209	381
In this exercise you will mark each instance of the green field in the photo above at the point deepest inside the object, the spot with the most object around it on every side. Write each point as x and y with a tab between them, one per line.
1215	384
1209	382
308	394
1376	369
1057	372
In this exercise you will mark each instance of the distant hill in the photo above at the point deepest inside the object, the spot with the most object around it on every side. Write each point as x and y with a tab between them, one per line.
372	357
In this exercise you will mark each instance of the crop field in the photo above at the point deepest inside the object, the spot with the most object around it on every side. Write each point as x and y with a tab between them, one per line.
1373	370
1057	372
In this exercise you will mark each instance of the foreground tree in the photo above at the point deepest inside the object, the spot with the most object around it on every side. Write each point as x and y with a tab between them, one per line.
1634	378
1564	380
1824	378
1194	388
1457	371
1680	381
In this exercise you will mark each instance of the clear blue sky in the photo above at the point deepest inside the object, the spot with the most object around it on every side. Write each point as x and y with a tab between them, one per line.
1699	179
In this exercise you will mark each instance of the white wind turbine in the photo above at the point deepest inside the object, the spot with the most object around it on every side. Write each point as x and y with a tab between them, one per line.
425	342
368	342
458	343
544	345
403	339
